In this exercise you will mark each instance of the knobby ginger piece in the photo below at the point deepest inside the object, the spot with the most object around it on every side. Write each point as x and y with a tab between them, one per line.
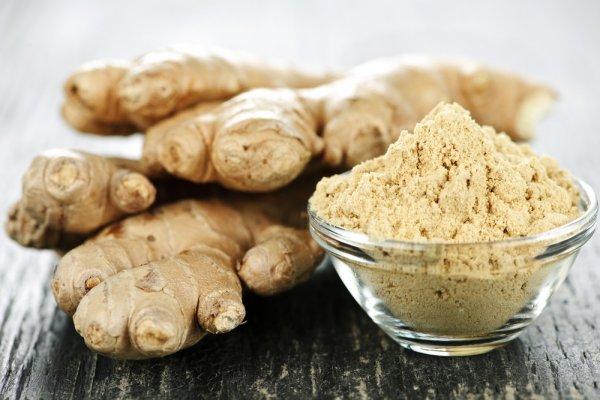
154	283
121	97
69	192
262	139
162	307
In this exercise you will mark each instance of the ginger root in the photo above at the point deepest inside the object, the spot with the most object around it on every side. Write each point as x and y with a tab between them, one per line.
120	97
68	192
154	283
262	139
157	282
161	307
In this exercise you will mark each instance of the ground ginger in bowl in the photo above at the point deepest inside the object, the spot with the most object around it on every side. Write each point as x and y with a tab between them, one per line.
455	239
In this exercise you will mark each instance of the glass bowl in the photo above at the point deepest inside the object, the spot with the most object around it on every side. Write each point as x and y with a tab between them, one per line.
452	299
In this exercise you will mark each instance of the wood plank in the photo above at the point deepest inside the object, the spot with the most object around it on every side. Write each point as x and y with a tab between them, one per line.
313	341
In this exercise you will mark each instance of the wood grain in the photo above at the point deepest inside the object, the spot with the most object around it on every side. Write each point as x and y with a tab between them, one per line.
313	341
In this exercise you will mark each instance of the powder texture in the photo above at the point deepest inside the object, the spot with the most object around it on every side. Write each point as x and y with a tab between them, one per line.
463	305
453	181
450	180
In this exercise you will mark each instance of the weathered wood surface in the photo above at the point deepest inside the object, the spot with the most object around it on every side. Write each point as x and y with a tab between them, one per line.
313	341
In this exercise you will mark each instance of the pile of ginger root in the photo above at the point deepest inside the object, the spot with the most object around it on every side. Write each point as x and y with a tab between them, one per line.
157	252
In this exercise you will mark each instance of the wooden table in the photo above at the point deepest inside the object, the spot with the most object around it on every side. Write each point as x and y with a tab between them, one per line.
313	341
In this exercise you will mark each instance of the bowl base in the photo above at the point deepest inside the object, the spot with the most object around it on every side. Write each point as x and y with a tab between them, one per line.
445	349
448	346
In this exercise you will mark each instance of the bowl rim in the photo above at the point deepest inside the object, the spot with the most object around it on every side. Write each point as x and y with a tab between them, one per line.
584	222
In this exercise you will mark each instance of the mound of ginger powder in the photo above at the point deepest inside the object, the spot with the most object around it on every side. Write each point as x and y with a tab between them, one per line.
452	180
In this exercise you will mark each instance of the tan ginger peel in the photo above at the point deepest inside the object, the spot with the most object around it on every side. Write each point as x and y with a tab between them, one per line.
120	97
74	192
154	283
264	138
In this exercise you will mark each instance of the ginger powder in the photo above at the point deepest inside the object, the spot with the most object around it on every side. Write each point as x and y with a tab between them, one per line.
452	180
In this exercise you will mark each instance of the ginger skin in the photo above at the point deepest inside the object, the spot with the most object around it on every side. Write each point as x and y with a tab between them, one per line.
67	192
163	306
121	97
262	139
177	267
152	139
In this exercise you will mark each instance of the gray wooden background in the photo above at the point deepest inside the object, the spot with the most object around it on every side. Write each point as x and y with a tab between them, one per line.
313	341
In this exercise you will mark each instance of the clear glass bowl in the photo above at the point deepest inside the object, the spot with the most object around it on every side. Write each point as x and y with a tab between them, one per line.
453	299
